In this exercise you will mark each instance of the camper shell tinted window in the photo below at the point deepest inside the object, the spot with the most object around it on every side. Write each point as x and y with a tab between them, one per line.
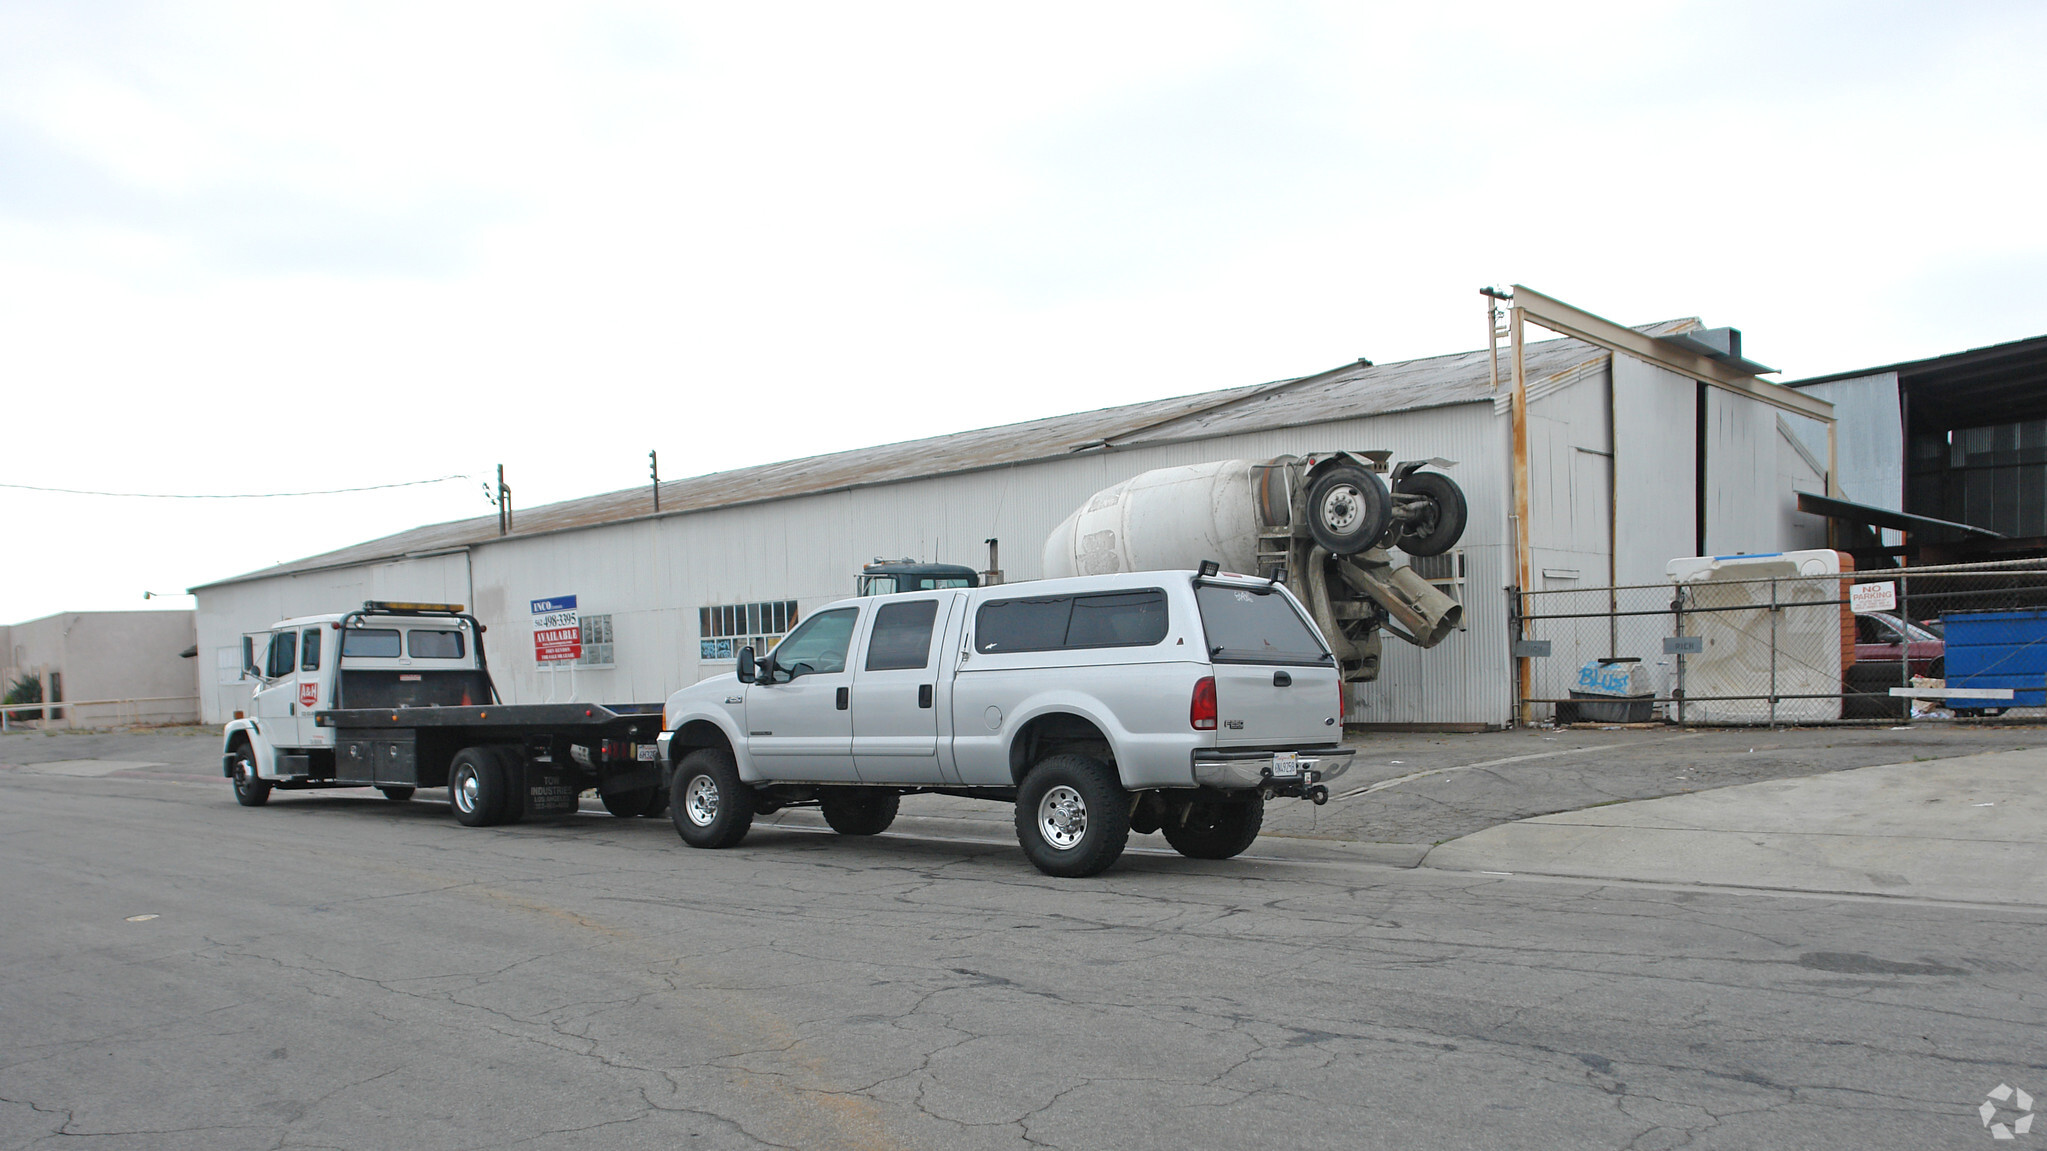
1254	625
1136	618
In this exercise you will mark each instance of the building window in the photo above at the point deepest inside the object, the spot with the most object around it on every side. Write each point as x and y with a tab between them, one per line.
596	641
724	629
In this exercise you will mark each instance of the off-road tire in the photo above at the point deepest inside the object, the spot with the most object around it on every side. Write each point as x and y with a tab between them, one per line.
249	790
1439	530
708	803
1349	508
1216	828
397	794
859	810
1072	816
478	791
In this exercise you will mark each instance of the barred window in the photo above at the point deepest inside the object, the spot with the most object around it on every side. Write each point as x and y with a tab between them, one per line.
596	641
724	629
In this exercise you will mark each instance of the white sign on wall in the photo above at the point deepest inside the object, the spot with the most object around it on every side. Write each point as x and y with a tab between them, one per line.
1873	597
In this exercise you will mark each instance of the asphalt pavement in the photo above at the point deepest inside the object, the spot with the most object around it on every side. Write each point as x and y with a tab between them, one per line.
335	970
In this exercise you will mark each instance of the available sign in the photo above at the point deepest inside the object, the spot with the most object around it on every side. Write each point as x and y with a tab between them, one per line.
557	630
1873	597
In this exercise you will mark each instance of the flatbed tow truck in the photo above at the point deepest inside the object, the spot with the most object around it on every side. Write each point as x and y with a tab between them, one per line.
398	696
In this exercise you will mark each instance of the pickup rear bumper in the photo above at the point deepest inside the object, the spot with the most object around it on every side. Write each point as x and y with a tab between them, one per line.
1239	770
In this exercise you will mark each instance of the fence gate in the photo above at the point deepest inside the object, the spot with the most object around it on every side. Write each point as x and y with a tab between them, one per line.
1966	640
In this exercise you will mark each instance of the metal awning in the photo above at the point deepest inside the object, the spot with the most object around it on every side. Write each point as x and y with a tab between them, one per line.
1886	518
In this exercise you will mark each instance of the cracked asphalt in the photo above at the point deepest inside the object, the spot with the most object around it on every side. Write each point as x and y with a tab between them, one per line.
337	971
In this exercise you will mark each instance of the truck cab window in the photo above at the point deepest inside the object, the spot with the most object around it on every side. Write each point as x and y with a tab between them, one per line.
283	649
423	644
818	645
370	642
309	649
902	636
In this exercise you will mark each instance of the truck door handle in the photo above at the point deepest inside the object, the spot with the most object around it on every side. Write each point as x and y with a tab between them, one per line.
1282	679
923	695
844	697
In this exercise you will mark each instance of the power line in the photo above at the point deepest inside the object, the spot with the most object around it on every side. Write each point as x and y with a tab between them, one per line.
229	495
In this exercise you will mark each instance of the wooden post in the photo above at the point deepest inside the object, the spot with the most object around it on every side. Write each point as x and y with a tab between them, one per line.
1523	560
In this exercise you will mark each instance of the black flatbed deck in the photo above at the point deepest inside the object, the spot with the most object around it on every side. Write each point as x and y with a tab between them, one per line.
495	715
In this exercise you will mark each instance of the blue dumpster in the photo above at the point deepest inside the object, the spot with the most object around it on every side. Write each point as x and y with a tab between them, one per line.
1998	649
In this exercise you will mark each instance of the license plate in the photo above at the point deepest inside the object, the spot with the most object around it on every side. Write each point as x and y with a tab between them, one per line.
649	752
1286	765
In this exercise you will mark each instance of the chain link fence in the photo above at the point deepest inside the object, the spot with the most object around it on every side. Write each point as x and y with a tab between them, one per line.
1746	643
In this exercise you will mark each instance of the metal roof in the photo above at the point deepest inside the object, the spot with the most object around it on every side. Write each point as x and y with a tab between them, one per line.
1348	392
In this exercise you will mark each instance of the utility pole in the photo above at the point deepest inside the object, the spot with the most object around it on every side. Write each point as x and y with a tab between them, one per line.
654	470
504	502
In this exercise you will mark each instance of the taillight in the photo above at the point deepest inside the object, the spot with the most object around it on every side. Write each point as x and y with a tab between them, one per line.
1201	709
1342	705
612	749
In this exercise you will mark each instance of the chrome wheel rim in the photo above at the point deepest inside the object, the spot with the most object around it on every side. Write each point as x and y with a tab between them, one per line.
1342	506
700	800
243	776
1062	817
465	790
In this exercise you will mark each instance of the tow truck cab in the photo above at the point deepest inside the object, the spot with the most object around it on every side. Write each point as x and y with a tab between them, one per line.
886	577
385	655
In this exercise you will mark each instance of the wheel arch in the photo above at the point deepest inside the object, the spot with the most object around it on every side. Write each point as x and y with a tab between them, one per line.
245	733
696	731
1056	729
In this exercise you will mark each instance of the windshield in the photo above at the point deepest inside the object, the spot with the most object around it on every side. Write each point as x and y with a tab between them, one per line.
1254	626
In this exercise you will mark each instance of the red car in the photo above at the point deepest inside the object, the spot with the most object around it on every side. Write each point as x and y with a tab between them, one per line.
1881	637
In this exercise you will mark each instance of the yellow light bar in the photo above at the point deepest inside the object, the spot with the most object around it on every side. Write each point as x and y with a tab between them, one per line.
389	605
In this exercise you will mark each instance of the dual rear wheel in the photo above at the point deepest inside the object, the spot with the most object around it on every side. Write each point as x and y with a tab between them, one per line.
480	786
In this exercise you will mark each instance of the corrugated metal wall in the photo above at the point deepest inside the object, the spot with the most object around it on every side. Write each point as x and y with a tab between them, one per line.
1870	438
1742	502
1655	414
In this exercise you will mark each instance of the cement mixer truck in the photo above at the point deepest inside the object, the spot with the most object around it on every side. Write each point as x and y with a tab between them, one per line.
1322	524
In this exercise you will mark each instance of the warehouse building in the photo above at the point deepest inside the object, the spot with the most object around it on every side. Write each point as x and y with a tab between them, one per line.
1639	445
1953	447
108	667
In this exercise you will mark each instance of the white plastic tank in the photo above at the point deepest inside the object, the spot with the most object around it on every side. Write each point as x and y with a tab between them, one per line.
1168	518
1732	616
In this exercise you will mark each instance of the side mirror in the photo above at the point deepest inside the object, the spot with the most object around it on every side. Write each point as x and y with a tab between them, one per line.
747	667
249	667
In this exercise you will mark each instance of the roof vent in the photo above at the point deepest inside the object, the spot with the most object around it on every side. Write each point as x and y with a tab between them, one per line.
1722	344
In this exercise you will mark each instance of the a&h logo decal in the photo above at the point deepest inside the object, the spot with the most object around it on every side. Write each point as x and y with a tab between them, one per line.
2019	1101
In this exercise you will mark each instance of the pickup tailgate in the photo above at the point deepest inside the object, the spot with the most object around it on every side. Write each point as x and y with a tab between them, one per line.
1260	705
1275	683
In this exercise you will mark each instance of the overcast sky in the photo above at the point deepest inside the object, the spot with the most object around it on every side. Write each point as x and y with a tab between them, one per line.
284	247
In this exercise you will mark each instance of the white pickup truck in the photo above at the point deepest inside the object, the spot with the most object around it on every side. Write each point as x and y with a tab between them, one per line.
1170	701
